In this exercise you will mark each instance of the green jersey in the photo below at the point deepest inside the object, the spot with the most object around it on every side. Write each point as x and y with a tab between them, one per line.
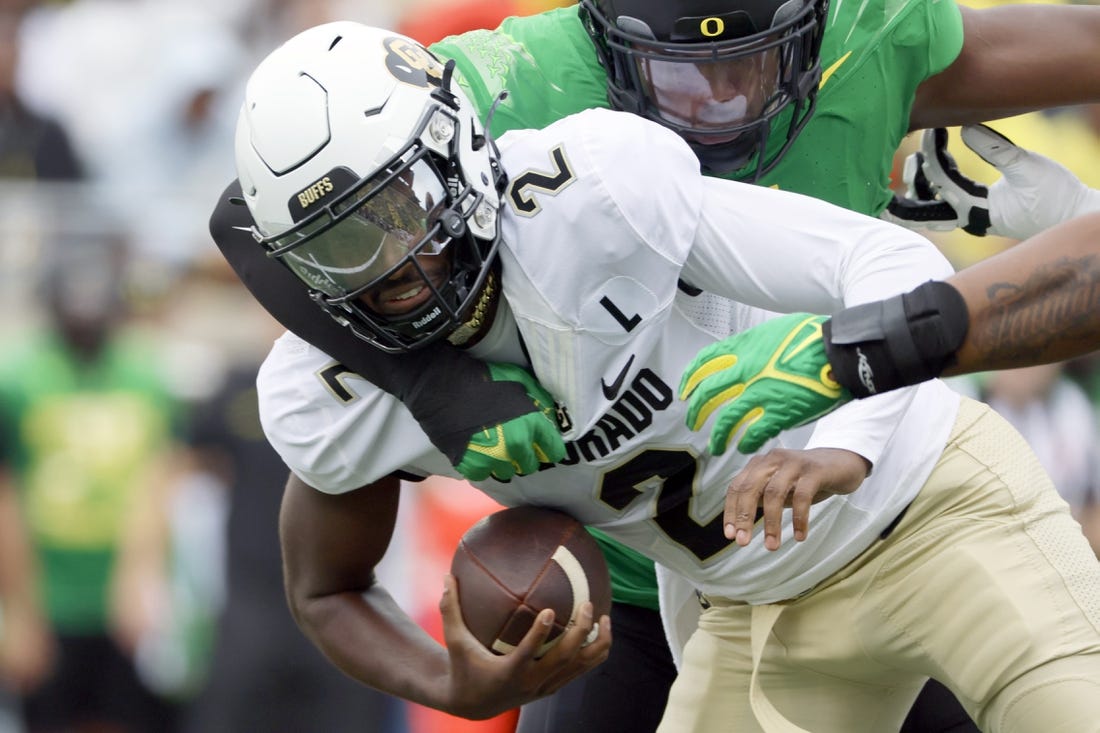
78	440
874	55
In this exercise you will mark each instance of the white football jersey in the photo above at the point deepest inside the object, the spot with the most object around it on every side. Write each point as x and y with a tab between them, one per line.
606	215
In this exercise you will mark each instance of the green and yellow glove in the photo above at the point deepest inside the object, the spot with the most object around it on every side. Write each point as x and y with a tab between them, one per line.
762	382
519	445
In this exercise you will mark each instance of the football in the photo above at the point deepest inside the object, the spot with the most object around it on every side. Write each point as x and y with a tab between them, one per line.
515	562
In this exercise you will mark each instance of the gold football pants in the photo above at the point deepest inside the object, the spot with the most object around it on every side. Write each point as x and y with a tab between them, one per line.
986	584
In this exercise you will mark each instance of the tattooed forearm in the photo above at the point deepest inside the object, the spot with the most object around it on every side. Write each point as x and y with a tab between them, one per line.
1043	318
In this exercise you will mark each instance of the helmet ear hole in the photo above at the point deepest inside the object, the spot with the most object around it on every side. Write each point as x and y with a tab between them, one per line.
787	11
454	226
634	27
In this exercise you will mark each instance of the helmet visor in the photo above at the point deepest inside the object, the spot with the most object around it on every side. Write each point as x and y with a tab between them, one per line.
711	97
374	236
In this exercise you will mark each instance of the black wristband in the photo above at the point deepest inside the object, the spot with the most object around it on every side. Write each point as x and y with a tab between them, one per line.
448	392
897	342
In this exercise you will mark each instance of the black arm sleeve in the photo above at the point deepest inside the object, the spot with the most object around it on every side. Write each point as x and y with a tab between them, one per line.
896	342
449	392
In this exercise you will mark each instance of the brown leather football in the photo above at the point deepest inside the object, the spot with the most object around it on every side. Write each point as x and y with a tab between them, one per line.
513	563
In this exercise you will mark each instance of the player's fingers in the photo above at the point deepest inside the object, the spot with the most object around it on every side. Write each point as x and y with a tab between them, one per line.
734	417
696	393
909	171
549	446
716	393
590	655
456	635
991	146
774	501
575	636
474	471
503	470
532	643
923	179
708	386
597	647
701	367
524	460
940	165
754	430
918	187
934	147
742	500
802	498
928	143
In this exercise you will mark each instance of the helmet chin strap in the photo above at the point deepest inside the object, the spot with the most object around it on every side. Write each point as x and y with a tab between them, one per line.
443	93
481	317
720	160
501	178
446	96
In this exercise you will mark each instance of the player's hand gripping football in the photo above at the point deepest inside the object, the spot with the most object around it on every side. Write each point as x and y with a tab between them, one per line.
519	445
1034	192
482	684
761	382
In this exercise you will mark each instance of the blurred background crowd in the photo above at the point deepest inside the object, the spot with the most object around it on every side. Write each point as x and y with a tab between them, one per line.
138	499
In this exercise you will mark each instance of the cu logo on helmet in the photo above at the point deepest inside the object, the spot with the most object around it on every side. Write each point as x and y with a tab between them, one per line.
411	63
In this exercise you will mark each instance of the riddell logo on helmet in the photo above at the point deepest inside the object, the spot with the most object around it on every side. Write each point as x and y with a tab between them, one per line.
420	323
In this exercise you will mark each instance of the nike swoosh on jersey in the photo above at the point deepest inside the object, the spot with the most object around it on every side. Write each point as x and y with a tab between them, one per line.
832	69
611	391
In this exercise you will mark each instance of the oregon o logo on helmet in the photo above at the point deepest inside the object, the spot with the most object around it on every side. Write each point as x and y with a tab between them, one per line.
711	27
411	63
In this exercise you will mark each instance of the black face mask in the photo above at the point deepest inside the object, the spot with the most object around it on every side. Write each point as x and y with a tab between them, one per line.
726	86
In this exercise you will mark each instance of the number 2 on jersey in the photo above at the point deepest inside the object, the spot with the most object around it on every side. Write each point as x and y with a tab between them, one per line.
522	187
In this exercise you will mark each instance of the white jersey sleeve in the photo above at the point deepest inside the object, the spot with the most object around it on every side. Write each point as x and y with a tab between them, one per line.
786	252
334	430
796	253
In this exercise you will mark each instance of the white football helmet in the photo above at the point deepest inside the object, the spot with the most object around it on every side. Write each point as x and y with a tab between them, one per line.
368	174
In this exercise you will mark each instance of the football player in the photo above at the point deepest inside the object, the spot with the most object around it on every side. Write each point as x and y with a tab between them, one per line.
552	257
806	96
